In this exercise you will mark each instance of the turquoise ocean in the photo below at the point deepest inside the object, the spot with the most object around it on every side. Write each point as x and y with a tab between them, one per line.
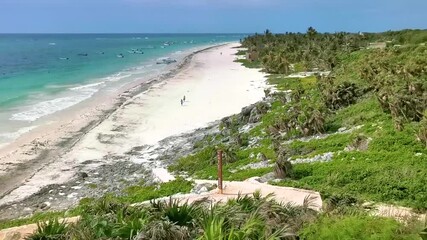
41	74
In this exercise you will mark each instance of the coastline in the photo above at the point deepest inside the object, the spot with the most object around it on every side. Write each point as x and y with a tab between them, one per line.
35	173
55	138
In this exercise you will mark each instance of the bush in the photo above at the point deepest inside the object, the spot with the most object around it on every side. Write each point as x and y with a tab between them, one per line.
50	230
422	132
355	227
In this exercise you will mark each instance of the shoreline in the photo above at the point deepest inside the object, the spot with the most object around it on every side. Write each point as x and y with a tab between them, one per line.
32	148
109	93
67	146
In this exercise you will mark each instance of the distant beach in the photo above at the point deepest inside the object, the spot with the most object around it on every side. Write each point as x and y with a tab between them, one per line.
42	74
97	132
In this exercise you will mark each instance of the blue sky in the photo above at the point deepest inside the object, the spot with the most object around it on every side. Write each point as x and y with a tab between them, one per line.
201	16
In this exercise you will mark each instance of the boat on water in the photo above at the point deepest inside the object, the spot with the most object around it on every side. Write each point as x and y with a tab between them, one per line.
168	43
166	60
82	54
135	51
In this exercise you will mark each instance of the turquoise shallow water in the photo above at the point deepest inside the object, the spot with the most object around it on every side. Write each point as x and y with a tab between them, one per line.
41	74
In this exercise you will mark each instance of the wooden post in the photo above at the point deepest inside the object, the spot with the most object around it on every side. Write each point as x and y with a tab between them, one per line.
220	171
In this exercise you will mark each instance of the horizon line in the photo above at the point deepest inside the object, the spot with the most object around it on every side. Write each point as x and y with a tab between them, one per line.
120	33
184	33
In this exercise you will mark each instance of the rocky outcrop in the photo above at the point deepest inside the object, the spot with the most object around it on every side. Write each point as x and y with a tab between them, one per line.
253	112
203	188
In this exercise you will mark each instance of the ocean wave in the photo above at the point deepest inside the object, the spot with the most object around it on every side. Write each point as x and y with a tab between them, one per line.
116	77
45	108
10	136
91	85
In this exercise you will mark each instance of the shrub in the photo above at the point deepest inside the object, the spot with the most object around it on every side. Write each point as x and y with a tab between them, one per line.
283	168
422	132
354	227
50	230
181	214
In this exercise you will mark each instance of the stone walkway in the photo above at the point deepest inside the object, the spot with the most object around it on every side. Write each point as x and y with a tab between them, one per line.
248	187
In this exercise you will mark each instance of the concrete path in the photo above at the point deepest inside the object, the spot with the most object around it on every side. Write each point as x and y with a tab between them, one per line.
231	190
248	187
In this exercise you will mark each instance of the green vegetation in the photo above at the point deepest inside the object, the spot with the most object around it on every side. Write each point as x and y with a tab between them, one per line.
379	93
53	229
392	169
246	217
375	98
285	53
132	194
37	217
356	227
241	52
367	113
248	64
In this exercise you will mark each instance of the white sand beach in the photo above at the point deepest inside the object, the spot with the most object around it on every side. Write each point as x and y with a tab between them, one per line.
214	87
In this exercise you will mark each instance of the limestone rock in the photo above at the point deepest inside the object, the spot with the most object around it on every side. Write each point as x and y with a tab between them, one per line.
261	157
255	116
83	175
267	177
246	111
203	187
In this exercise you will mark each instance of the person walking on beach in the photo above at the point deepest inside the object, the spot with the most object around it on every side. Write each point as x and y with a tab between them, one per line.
181	102
183	99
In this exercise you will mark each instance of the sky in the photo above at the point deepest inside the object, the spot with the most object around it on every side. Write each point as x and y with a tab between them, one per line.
209	16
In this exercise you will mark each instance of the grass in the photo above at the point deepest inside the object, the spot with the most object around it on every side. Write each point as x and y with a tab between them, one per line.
249	64
364	227
135	194
392	170
282	82
333	143
241	52
203	165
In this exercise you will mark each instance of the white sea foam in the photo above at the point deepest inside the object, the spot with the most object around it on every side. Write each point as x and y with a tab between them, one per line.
10	136
41	109
117	77
77	94
87	86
